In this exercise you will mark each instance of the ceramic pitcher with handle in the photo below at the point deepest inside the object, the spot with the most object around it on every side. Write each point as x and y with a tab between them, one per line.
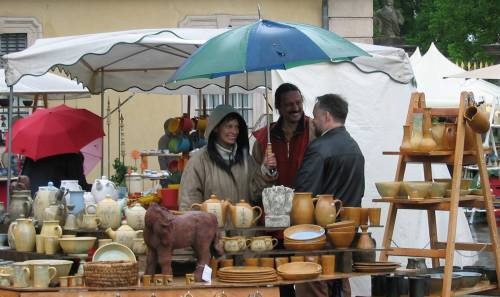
242	214
327	209
215	206
302	209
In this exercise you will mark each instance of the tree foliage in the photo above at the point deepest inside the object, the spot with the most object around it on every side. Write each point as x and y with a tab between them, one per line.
457	27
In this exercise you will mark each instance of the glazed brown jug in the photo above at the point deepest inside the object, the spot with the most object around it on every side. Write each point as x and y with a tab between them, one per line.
365	241
327	209
427	144
242	214
450	136
302	208
406	145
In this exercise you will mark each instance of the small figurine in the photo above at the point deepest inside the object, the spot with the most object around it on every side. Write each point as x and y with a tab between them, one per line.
165	232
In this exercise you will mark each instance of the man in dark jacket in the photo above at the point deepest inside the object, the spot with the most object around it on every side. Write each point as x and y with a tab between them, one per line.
333	164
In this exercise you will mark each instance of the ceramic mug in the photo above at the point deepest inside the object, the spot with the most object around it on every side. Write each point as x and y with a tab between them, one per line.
262	243
226	262
328	264
21	275
351	213
146	280
168	279
364	212
42	275
158	279
251	261
266	262
374	216
63	281
189	278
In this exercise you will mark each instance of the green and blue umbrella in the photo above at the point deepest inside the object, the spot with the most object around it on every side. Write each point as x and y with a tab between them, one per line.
266	45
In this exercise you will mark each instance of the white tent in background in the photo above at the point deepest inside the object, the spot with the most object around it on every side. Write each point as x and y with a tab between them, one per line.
430	73
56	87
490	72
415	57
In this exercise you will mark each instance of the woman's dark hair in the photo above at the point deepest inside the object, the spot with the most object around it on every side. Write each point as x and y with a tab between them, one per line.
241	140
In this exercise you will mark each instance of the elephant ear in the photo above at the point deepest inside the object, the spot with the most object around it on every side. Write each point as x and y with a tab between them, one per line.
165	232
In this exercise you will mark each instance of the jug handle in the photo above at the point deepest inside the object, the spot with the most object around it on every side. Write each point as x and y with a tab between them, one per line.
59	230
315	199
248	242
26	208
89	205
52	272
138	232
340	207
27	276
196	205
98	222
274	242
260	214
14	225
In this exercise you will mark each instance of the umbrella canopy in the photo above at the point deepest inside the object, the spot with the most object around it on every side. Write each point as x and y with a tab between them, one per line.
491	72
92	155
55	131
265	45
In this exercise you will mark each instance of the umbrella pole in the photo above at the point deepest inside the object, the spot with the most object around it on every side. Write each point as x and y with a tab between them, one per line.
102	116
108	124
119	136
9	152
269	148
226	89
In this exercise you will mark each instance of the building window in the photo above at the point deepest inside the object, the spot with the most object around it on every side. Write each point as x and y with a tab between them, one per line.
243	103
11	43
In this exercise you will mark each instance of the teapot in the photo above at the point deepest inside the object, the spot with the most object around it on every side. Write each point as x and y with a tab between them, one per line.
215	206
108	211
104	187
124	235
43	199
135	216
242	214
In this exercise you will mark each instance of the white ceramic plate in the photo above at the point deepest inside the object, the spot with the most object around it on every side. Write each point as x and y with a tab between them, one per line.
113	252
306	235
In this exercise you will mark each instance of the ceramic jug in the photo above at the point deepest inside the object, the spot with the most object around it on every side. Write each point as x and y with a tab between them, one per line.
102	188
327	209
242	214
42	275
124	235
365	241
23	233
43	199
302	209
215	206
109	213
20	205
134	182
233	244
69	185
135	216
51	228
71	221
427	144
90	221
406	145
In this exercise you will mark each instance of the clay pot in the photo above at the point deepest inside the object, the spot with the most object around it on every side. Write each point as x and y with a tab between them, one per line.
477	119
406	145
215	206
242	214
427	144
109	213
327	209
302	209
365	242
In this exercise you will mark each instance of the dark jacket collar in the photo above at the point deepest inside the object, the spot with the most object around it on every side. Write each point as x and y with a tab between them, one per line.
277	131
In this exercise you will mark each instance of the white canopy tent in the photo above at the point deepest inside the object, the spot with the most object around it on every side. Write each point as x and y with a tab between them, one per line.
56	87
490	72
415	57
378	103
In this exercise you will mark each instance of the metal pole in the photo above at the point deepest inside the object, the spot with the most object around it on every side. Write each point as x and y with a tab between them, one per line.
267	109
108	124
102	116
9	152
226	89
119	130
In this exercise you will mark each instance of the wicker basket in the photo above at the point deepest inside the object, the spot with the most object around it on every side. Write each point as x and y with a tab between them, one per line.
111	274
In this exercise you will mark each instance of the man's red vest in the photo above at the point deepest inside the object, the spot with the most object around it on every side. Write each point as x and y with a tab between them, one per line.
289	155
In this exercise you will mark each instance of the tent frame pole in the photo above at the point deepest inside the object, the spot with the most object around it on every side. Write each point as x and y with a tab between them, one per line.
102	116
9	151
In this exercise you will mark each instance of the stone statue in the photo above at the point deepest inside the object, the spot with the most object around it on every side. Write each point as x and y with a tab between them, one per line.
388	19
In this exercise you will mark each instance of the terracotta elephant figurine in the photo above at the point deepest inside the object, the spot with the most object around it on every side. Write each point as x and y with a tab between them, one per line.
165	232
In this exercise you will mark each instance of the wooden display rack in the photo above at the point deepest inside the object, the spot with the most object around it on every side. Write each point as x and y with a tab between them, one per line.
457	158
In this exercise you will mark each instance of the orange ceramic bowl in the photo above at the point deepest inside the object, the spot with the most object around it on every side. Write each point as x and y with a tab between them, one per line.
341	240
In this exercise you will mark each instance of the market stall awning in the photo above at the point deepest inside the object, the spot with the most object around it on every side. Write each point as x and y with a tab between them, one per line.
490	72
56	87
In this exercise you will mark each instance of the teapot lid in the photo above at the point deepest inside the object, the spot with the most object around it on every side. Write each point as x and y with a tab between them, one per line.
124	227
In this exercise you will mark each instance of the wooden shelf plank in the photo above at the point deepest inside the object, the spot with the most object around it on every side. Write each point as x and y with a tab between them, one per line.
413	252
480	287
432	204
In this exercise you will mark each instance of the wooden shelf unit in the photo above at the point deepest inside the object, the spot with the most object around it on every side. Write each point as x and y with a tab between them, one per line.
458	157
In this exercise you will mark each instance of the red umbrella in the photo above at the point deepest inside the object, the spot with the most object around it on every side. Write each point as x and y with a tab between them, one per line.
55	131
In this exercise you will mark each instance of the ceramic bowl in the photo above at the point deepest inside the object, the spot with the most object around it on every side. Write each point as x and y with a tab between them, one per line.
315	240
76	245
438	189
341	240
388	189
462	193
344	229
296	246
340	224
444	180
299	270
303	232
62	266
437	282
417	190
469	279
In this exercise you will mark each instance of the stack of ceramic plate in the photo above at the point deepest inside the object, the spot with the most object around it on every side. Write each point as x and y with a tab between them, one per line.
247	274
299	270
375	266
304	237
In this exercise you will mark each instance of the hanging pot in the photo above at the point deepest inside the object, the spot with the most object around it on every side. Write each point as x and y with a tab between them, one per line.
477	119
